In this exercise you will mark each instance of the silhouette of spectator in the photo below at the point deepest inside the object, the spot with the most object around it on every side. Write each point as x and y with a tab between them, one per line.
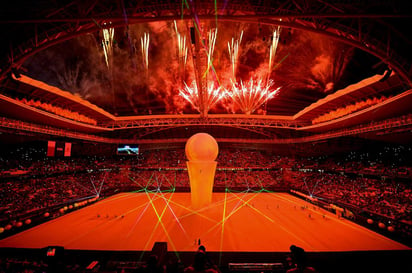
199	264
299	257
174	265
289	263
153	265
209	262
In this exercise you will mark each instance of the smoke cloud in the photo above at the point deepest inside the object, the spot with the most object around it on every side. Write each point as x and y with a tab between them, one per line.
305	64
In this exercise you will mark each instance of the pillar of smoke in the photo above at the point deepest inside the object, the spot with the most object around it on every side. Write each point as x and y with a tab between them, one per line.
162	90
272	50
234	53
315	62
250	96
145	49
107	43
213	95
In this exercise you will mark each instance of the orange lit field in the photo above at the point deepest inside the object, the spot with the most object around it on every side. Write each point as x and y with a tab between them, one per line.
259	222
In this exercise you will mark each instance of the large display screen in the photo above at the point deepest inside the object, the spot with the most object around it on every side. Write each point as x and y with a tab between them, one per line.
127	149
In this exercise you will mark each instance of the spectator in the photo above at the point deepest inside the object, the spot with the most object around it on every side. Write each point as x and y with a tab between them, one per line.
300	260
199	264
153	265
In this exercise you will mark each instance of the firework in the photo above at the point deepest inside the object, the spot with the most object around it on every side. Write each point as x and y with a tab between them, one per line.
250	96
107	43
211	48
182	46
234	53
182	49
213	95
145	49
273	47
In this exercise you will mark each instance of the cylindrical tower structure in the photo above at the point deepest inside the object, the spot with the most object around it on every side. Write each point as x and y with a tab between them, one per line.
201	151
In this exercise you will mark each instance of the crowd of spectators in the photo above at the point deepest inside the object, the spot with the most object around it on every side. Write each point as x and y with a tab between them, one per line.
29	265
21	197
58	110
384	197
379	182
389	162
348	109
53	259
397	165
154	158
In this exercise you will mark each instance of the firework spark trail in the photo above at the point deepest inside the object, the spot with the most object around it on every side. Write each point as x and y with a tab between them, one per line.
213	96
249	97
145	49
234	53
107	43
182	46
191	95
272	51
182	49
211	48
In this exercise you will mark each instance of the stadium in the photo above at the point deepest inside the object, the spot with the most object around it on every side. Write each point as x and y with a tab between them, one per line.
141	130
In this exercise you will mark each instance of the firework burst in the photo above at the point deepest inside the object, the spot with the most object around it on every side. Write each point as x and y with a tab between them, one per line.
250	96
213	95
234	53
107	43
